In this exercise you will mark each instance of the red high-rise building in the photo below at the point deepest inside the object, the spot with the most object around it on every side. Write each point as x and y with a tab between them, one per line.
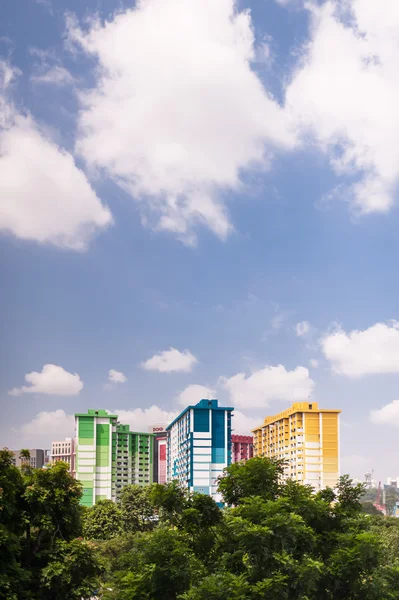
160	458
242	447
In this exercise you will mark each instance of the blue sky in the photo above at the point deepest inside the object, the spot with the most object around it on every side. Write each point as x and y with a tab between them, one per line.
219	179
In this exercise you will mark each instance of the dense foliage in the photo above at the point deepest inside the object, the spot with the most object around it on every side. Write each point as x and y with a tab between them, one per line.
42	557
276	541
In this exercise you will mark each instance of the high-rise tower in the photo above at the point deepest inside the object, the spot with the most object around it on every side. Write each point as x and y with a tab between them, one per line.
109	456
199	447
307	438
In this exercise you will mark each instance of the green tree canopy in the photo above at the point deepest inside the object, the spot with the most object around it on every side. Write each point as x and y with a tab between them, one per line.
103	521
168	500
256	477
280	541
39	519
137	508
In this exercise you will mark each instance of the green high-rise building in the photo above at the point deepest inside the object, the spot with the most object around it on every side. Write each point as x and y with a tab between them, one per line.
109	456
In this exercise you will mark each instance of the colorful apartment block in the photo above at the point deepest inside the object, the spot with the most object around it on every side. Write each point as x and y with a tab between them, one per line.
109	456
160	453
95	446
134	458
242	448
307	438
199	447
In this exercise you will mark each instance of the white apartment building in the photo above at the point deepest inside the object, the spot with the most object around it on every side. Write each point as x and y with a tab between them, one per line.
65	451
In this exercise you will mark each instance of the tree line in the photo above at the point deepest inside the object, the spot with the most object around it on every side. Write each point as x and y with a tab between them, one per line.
274	541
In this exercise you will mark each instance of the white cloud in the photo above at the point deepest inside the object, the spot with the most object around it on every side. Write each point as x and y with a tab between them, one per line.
314	363
43	195
346	93
243	425
278	321
302	328
387	415
55	75
140	419
170	360
267	384
193	393
374	350
182	123
116	376
51	380
43	429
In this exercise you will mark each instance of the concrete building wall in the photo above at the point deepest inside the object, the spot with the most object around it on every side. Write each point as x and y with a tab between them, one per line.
64	450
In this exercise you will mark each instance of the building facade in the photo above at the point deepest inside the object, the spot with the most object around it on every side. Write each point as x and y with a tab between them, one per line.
96	455
307	438
36	461
160	452
134	458
109	456
199	447
242	448
65	451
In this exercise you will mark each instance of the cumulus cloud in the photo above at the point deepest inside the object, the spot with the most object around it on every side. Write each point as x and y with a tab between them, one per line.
267	384
182	111
194	393
140	419
387	415
170	360
243	425
374	350
51	380
302	328
43	195
116	376
345	93
44	428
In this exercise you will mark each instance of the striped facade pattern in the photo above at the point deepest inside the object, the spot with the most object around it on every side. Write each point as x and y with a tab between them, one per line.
307	439
109	456
199	447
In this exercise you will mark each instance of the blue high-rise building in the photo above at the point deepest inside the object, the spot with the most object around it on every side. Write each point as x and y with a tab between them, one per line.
199	447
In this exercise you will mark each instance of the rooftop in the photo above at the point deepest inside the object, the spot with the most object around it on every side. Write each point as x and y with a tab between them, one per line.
205	404
306	407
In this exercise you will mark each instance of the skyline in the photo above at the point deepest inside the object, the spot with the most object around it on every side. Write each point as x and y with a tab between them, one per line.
200	199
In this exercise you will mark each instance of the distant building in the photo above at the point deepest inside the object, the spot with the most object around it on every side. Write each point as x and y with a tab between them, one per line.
160	452
307	438
242	447
47	457
199	447
65	451
36	458
109	456
393	481
134	458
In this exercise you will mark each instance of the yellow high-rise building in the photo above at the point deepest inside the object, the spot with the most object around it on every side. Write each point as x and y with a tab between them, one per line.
307	438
